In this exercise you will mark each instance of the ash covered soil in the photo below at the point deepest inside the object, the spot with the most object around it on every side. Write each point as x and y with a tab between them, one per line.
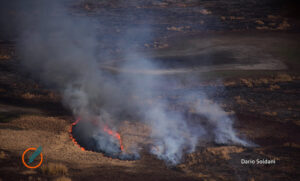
263	96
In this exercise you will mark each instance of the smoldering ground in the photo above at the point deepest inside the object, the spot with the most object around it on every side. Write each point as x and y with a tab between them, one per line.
62	51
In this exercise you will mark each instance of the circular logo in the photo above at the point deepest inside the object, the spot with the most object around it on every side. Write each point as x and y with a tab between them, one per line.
32	157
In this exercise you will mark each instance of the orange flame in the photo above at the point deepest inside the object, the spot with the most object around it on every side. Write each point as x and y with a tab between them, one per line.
106	129
71	136
73	124
115	135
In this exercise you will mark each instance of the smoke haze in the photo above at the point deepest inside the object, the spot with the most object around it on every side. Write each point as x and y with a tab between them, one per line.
62	50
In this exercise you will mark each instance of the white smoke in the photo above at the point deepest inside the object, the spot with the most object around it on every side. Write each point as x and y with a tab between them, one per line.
172	132
63	51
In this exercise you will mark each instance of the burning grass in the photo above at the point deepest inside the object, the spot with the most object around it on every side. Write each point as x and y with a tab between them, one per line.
92	142
71	136
115	135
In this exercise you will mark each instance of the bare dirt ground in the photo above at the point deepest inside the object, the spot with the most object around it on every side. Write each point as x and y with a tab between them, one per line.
255	54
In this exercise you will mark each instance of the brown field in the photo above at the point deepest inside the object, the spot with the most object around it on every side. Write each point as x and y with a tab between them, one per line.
254	72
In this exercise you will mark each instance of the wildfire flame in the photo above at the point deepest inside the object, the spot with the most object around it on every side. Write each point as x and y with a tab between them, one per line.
116	135
72	138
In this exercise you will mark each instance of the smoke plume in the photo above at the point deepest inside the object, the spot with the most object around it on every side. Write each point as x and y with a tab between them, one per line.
64	51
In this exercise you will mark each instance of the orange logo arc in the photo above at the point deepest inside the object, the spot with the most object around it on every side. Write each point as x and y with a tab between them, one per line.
23	159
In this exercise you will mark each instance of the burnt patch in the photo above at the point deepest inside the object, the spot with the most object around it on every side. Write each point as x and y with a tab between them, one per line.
93	138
